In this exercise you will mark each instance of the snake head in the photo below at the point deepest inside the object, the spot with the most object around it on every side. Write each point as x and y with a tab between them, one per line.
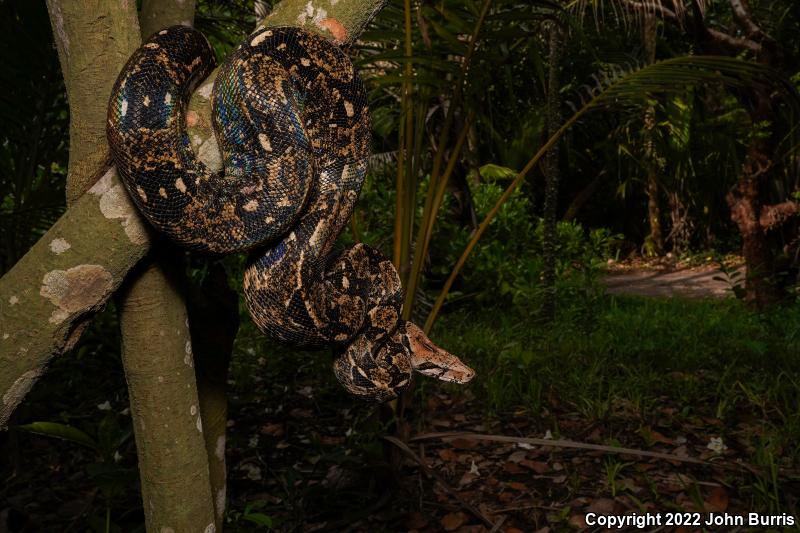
430	360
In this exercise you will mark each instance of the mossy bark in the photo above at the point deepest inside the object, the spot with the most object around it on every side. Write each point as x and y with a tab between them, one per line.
94	39
159	14
654	243
159	368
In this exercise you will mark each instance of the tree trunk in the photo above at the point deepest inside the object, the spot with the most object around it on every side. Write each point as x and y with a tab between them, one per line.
654	242
94	39
213	323
72	271
552	176
747	205
167	423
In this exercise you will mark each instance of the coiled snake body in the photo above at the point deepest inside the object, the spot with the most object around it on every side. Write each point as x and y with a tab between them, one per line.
292	123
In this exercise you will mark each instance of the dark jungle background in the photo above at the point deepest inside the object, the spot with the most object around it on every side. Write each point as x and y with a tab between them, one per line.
635	285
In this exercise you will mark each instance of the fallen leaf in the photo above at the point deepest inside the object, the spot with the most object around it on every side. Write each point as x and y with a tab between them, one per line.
416	520
466	479
453	521
471	529
717	501
447	454
512	468
464	444
273	430
578	521
505	497
537	466
602	506
517	456
516	485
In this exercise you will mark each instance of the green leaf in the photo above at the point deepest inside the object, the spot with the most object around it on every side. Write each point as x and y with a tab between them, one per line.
259	518
60	431
494	172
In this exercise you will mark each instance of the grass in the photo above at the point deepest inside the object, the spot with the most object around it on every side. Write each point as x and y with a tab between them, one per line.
634	350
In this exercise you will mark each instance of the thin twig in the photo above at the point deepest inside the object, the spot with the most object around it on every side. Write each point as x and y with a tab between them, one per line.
557	443
498	524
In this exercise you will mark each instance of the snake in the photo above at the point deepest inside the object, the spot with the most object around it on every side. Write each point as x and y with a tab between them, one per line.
291	119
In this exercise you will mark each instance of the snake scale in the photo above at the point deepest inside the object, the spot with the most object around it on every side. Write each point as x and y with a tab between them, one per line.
292	123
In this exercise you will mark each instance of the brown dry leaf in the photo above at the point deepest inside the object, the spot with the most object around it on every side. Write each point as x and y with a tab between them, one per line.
416	520
515	530
467	478
471	529
453	521
447	454
273	430
537	466
578	521
506	497
717	501
516	485
559	479
517	456
512	468
332	440
464	444
602	506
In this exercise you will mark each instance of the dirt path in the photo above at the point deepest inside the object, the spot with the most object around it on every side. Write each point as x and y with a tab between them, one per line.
693	282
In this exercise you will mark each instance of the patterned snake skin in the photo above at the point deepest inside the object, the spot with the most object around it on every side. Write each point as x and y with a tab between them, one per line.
292	123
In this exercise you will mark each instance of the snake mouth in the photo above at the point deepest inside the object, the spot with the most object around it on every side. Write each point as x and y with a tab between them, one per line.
432	361
462	374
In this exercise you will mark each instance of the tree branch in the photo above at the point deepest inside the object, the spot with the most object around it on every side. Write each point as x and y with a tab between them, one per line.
741	11
737	43
63	280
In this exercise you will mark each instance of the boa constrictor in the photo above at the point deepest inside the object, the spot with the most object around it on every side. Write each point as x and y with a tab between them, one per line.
292	123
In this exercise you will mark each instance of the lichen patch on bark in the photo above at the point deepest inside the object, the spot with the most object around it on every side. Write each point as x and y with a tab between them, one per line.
78	289
336	28
188	360
219	450
59	245
220	502
114	203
